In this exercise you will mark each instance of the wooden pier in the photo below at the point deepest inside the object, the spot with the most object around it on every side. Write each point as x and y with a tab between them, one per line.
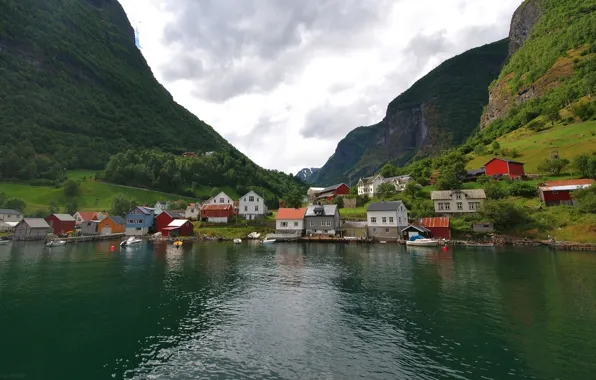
86	238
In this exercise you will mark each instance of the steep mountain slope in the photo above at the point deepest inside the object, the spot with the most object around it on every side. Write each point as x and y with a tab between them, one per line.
75	90
552	62
438	111
308	175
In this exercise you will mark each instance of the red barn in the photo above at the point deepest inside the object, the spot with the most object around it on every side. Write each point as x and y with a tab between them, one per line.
217	212
61	223
331	192
439	227
555	193
161	221
179	227
500	166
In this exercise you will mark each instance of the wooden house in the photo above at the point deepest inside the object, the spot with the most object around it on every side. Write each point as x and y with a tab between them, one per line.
61	223
322	220
86	216
498	167
31	229
252	206
139	221
439	227
162	221
90	227
112	225
290	221
386	220
554	193
10	215
329	193
178	227
217	213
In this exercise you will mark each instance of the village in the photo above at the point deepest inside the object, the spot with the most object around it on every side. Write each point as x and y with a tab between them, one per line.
324	214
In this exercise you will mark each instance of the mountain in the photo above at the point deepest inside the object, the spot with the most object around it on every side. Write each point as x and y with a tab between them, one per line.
439	111
308	175
75	90
551	64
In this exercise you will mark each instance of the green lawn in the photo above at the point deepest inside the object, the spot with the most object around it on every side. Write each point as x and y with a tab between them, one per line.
535	147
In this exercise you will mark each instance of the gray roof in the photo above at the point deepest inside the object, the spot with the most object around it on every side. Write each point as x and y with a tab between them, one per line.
447	194
36	223
385	206
329	210
9	211
64	217
117	219
419	228
398	178
331	188
354	224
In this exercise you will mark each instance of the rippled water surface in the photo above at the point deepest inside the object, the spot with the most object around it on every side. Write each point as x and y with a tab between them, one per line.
218	311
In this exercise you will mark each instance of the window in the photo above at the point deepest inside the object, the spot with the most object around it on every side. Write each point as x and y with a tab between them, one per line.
284	224
447	206
245	208
312	223
399	219
391	219
441	206
373	219
386	229
384	220
258	200
460	206
474	205
458	196
295	224
256	208
244	199
251	199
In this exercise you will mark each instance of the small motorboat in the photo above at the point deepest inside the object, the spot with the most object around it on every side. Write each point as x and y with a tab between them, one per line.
237	241
178	244
419	241
254	235
131	241
55	243
5	241
268	241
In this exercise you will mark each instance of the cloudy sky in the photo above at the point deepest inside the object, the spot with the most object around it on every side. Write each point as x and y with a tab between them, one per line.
285	80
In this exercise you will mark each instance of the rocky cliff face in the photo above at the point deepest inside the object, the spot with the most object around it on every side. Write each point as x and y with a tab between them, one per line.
500	99
437	112
308	175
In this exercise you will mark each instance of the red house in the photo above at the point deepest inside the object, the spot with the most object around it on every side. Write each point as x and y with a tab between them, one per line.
161	221
217	212
331	192
439	227
61	223
500	167
556	193
179	227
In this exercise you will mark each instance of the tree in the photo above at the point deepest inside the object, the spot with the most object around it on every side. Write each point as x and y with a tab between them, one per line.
122	205
522	189
496	147
494	190
586	199
215	191
586	165
505	215
448	180
71	206
386	189
15	204
71	188
180	204
480	149
413	190
339	201
553	166
294	199
553	115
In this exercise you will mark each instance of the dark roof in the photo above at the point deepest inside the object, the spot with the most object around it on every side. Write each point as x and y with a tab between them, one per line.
9	211
331	188
503	159
476	171
385	206
328	210
117	219
146	210
417	228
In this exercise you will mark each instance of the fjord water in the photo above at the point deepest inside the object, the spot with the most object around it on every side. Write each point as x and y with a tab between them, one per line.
295	311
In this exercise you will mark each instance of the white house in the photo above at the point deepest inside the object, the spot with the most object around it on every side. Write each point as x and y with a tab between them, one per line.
252	206
386	220
86	216
161	206
221	198
9	215
368	186
312	192
451	202
290	221
399	182
193	211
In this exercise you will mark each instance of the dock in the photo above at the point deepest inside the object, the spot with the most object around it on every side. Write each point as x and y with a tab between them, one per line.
86	238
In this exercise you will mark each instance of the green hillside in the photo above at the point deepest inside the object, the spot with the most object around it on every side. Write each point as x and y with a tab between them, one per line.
439	111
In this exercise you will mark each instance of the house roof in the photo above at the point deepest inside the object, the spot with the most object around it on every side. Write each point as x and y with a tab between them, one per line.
417	228
397	178
251	192
503	159
290	213
146	210
434	222
36	223
385	206
566	185
117	219
476	171
64	217
328	210
177	223
9	211
218	196
354	224
370	179
216	206
446	194
87	215
332	188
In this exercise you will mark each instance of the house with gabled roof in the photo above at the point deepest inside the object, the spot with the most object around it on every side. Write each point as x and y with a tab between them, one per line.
386	220
290	221
87	216
497	167
31	229
322	220
221	198
10	215
217	212
193	211
330	192
139	221
449	202
368	186
61	223
178	227
554	193
252	206
112	225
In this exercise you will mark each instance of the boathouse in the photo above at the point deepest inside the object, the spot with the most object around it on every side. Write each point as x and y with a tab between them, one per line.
554	193
178	227
61	223
162	221
31	229
90	227
112	225
439	227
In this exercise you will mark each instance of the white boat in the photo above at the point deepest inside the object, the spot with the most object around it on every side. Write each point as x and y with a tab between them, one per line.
268	241
131	241
422	243
237	241
254	235
55	243
5	241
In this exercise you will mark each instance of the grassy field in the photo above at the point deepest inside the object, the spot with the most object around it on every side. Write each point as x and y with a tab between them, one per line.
535	147
94	195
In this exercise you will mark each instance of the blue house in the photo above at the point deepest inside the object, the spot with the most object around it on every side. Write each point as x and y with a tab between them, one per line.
139	221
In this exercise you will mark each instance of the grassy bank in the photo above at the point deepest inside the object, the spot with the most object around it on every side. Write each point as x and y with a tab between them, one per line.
229	231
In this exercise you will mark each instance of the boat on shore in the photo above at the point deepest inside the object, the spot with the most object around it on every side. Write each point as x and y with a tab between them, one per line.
422	242
130	241
269	241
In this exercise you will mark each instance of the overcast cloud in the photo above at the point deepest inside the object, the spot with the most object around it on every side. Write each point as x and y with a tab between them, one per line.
285	80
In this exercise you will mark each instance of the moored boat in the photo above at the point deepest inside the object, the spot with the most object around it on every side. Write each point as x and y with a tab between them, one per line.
268	241
254	235
422	242
131	241
177	244
55	243
237	241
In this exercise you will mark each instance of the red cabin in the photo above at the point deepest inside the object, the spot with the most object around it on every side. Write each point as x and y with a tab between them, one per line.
331	192
61	223
439	227
162	221
217	213
556	193
179	227
500	167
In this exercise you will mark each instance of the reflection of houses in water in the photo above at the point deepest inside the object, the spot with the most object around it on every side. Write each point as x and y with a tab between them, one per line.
290	260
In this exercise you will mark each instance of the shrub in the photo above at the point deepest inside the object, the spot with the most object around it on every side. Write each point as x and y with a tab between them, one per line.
494	190
522	189
505	215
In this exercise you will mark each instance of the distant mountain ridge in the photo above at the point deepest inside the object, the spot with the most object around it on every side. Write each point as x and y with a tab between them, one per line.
439	111
308	175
